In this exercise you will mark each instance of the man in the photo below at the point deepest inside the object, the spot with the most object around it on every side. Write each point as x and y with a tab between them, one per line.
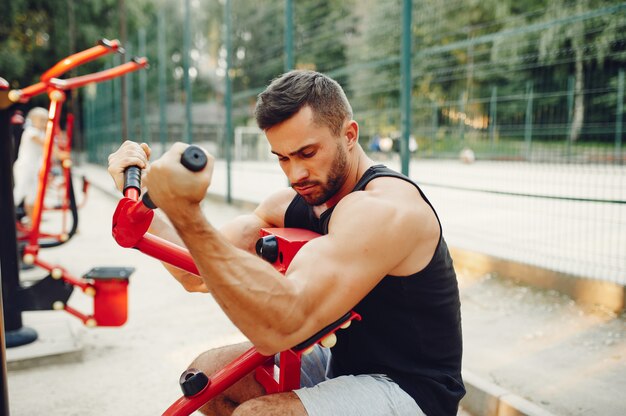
381	254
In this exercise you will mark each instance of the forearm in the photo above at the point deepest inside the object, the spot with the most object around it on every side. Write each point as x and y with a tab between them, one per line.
162	228
259	301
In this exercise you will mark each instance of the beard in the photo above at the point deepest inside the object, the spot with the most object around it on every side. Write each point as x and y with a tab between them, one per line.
336	178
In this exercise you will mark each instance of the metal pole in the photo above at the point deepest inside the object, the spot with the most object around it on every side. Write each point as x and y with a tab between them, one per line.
619	117
8	254
528	128
162	81
570	114
435	126
405	85
493	115
228	99
186	58
123	112
462	117
16	334
116	102
289	61
128	78
143	84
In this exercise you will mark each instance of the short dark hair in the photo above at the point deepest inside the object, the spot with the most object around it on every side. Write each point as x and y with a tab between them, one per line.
287	94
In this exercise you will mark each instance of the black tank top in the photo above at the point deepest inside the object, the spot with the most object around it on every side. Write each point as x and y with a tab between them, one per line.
411	327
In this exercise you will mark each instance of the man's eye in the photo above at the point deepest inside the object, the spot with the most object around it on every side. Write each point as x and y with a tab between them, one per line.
282	159
308	154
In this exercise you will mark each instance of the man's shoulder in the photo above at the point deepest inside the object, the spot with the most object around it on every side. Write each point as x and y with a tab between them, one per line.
380	196
398	189
387	200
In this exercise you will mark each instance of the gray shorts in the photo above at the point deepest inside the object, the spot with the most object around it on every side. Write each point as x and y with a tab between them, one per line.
360	395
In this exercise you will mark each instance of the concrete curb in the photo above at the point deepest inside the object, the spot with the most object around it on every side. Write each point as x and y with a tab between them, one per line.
488	399
588	292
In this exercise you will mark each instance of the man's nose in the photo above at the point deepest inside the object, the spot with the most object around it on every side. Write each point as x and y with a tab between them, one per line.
299	173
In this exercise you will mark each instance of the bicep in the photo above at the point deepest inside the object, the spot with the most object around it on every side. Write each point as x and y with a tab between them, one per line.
243	231
334	272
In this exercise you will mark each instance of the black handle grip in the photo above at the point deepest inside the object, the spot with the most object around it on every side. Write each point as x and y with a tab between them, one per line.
132	178
193	158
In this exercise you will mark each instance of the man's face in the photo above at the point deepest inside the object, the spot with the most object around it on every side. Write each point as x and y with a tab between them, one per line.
315	161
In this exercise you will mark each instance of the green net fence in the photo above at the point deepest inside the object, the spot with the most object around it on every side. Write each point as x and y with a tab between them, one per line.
514	123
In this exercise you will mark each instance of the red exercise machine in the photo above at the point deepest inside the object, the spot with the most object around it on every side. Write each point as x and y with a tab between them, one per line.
107	285
131	221
60	189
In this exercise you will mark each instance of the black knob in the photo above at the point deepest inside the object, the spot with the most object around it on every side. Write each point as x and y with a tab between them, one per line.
193	381
147	201
267	248
193	158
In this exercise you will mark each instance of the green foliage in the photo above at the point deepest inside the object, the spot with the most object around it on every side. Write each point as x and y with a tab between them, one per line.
557	59
34	35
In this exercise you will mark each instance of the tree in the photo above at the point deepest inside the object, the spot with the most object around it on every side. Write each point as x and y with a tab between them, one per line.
588	30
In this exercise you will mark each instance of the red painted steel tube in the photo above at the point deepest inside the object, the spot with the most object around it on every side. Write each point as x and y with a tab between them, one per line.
25	94
219	382
107	74
77	313
106	47
54	115
48	78
168	252
74	281
132	193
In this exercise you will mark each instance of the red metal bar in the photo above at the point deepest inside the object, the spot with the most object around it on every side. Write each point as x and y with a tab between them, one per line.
54	115
65	204
77	313
107	74
132	193
219	382
69	131
25	94
288	374
168	252
47	79
74	281
66	164
104	48
289	378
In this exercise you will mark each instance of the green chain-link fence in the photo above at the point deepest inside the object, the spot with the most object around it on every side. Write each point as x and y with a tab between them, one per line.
533	93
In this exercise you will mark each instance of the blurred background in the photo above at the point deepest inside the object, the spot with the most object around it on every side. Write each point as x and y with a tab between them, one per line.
508	113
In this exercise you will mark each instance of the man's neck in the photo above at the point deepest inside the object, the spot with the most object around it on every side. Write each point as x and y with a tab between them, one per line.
358	165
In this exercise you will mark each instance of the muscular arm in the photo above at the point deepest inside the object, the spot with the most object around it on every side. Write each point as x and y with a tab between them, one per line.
327	278
372	233
242	232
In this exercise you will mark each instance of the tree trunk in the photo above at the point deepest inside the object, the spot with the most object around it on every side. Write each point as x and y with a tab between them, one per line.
579	102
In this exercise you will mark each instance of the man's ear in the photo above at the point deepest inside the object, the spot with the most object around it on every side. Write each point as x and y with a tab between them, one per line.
352	133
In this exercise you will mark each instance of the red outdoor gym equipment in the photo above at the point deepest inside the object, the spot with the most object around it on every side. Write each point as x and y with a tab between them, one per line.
131	221
107	285
60	188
